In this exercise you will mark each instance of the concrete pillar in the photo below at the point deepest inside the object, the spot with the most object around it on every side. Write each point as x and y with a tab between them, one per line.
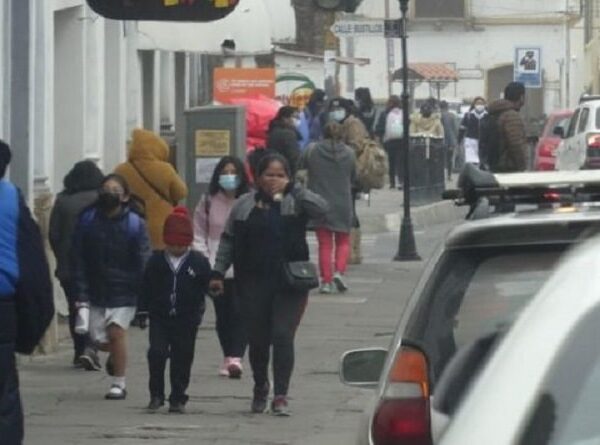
4	70
167	89
182	76
133	79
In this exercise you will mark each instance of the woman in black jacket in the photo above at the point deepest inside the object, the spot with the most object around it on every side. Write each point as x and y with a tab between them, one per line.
283	136
81	186
265	230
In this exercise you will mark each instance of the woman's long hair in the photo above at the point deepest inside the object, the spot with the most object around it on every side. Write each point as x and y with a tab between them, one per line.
243	187
284	112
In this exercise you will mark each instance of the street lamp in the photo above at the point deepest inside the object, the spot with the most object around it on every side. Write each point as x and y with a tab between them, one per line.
407	249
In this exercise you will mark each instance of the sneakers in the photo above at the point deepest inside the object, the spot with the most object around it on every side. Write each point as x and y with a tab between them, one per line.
109	366
338	280
224	369
89	360
177	408
155	404
326	288
116	393
234	369
259	401
279	407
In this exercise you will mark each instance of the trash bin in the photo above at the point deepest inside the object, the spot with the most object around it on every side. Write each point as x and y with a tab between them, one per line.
427	169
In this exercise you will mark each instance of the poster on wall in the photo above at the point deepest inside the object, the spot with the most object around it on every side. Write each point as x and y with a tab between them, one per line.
294	89
235	83
212	143
528	66
205	168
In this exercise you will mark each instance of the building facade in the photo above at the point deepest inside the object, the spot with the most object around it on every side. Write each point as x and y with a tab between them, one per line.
591	14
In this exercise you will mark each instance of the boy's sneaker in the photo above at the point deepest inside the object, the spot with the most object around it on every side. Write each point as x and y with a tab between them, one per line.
90	361
155	404
177	408
224	369
116	393
235	368
338	279
259	400
109	366
279	407
326	288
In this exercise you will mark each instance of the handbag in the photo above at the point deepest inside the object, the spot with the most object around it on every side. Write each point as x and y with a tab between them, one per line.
301	276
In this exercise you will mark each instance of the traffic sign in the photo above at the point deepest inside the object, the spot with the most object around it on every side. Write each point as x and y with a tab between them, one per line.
358	28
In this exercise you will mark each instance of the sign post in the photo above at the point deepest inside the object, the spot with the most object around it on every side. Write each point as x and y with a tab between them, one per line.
528	66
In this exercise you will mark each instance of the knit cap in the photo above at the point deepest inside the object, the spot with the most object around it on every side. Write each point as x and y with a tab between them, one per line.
178	230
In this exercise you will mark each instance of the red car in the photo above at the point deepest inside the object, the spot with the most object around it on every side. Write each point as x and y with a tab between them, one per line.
548	143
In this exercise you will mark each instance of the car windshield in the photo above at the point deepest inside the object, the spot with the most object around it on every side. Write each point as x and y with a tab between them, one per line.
475	291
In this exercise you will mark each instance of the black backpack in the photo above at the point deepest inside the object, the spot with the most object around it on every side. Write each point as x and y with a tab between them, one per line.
490	142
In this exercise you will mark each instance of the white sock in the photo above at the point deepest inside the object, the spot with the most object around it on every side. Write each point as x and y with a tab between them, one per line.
119	381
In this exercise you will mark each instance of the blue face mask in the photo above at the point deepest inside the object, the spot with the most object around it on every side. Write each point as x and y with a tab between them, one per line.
229	182
337	115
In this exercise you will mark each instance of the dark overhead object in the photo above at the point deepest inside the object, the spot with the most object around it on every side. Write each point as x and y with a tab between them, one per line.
339	5
167	10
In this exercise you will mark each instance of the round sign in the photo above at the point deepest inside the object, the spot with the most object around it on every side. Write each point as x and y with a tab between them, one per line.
328	4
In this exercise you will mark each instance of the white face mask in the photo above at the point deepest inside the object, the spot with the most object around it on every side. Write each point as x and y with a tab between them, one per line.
479	108
338	115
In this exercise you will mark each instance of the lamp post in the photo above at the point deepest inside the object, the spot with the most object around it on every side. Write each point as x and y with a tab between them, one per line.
407	249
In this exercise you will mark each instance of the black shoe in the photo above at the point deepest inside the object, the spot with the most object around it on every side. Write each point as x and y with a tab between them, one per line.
109	366
77	364
177	408
155	404
259	401
89	360
116	393
279	407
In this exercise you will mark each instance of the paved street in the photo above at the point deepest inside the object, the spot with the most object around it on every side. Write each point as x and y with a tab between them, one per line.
66	406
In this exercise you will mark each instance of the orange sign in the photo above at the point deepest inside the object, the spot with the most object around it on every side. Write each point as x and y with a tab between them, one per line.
235	83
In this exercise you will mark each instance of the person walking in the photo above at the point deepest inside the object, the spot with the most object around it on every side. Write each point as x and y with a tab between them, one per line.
450	136
426	123
152	179
266	231
110	249
503	141
174	285
331	173
367	112
25	289
313	113
81	187
470	130
228	182
283	136
390	131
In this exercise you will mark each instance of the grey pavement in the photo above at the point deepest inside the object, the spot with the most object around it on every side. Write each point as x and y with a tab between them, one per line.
66	406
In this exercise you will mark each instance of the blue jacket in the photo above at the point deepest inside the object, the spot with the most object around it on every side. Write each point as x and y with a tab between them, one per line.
108	258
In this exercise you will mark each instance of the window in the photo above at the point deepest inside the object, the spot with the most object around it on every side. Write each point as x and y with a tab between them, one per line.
439	9
583	120
573	123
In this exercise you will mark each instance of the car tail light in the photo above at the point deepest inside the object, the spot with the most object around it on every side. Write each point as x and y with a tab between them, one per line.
547	149
403	415
594	140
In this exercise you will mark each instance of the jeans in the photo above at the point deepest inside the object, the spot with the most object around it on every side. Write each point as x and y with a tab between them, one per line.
271	316
171	339
393	148
230	328
342	252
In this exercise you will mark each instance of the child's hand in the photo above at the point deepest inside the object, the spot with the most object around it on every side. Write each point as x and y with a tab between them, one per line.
216	287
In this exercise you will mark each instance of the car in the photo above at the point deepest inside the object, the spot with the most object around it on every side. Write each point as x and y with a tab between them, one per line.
540	383
548	143
481	277
582	137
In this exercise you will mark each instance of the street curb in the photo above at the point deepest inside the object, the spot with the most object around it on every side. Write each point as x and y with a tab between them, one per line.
422	216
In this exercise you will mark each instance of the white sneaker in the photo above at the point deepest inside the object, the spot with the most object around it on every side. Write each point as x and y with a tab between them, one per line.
224	369
116	393
326	288
338	279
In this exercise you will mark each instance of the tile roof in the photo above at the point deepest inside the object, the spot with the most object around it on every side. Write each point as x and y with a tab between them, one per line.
432	72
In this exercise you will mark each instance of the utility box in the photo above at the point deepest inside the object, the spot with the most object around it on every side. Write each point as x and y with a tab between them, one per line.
211	133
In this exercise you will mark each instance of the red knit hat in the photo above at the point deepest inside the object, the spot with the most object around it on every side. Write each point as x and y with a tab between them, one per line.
178	230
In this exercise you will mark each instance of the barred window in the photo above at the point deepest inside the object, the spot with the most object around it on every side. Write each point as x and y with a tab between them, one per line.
439	8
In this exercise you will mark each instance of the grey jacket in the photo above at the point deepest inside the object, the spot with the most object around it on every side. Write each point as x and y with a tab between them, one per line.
298	205
331	170
63	219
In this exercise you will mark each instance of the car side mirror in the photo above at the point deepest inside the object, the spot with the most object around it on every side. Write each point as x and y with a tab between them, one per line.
559	131
362	367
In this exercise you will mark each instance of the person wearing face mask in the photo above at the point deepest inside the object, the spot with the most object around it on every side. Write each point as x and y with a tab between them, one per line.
228	182
426	123
284	137
109	252
470	130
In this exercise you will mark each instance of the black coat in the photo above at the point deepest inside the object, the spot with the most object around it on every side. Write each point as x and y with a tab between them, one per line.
109	256
190	283
470	127
285	141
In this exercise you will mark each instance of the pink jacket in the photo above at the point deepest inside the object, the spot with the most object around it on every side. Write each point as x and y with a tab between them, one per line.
209	223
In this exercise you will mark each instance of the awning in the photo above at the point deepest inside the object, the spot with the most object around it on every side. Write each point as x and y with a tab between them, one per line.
249	26
429	72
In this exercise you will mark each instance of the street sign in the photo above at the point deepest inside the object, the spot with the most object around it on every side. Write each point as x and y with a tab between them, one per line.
392	29
358	28
528	66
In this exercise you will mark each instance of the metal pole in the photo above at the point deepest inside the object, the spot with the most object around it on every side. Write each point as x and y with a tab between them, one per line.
407	249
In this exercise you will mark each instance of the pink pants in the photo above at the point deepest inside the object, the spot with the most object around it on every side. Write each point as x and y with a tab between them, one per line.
342	252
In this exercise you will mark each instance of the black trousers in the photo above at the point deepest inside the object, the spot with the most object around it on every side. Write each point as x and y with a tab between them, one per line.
230	327
11	412
80	342
393	149
174	340
271	317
